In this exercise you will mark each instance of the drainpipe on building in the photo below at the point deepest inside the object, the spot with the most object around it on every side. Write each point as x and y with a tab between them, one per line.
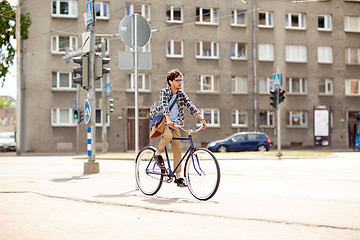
254	63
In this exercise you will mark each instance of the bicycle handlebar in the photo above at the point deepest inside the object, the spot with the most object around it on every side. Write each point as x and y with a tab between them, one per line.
189	130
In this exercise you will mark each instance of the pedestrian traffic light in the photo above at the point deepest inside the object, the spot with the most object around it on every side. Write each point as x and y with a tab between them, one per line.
273	97
83	71
99	66
81	116
76	114
281	95
109	106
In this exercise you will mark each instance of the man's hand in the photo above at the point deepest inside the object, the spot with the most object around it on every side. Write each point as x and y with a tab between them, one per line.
203	123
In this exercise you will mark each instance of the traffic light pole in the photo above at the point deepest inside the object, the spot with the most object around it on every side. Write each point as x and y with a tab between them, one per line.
279	154
104	113
77	120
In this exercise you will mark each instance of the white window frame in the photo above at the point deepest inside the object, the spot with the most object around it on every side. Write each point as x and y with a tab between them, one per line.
214	84
55	118
58	88
325	54
143	78
73	9
104	13
234	19
172	54
56	49
302	21
213	119
237	114
145	10
328	82
270	114
347	24
269	19
235	46
302	85
348	56
300	51
213	54
303	114
348	87
214	16
172	9
266	52
269	85
107	44
235	83
327	23
99	124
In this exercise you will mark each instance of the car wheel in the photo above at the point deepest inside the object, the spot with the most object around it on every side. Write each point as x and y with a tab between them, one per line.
262	148
222	149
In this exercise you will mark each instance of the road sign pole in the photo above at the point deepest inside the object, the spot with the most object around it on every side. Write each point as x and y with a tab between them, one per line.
136	52
104	80
279	154
77	121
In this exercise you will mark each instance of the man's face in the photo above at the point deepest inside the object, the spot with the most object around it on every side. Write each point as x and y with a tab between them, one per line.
176	83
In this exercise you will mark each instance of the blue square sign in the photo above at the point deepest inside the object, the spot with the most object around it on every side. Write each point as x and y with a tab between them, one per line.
277	79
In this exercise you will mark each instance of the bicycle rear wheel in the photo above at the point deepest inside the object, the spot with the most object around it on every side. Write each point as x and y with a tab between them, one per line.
147	173
202	173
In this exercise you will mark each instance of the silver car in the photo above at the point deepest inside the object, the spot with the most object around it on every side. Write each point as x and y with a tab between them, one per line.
7	141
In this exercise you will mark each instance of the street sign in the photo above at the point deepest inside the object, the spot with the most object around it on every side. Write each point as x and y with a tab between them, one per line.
85	37
90	17
127	30
108	89
87	115
277	79
126	60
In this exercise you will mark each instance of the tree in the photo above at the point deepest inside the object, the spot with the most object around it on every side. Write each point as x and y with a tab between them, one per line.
8	32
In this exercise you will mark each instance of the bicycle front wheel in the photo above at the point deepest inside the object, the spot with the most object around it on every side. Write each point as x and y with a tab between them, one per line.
202	173
147	173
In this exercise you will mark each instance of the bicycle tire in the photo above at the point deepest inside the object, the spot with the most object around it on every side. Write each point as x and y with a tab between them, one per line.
148	175
202	173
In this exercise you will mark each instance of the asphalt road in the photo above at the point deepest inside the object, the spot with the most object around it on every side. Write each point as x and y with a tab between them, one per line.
43	197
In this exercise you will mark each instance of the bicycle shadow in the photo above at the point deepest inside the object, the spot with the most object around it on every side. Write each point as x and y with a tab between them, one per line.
69	179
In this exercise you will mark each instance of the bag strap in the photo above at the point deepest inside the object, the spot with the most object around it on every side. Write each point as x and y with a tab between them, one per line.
173	103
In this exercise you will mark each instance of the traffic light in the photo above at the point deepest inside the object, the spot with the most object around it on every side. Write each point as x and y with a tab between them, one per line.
281	95
109	106
76	114
81	116
83	71
273	97
99	66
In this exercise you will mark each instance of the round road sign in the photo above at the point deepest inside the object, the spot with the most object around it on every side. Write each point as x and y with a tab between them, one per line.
127	30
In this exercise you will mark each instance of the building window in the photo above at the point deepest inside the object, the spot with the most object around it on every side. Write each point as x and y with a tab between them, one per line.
296	53
174	49
325	54
62	117
326	86
238	84
211	116
59	44
352	87
239	118
238	51
101	10
267	118
297	118
99	117
324	23
265	85
62	81
265	19
64	8
238	18
297	85
352	55
207	50
207	16
266	52
98	47
144	82
142	9
352	24
174	14
208	83
295	21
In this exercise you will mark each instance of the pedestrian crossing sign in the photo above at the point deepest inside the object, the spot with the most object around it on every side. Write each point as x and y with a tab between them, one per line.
277	79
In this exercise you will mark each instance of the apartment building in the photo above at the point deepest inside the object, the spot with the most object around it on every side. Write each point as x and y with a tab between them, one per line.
228	52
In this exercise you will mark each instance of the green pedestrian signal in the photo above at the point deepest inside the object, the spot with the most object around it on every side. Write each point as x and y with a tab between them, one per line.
76	114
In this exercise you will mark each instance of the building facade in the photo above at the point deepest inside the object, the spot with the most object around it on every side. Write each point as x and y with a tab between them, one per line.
228	52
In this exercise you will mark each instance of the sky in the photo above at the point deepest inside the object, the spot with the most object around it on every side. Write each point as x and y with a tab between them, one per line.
10	84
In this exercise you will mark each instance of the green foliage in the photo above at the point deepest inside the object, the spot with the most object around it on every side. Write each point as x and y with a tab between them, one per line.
4	103
8	32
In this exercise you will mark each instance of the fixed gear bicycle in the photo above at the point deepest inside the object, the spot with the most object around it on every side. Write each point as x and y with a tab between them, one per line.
201	170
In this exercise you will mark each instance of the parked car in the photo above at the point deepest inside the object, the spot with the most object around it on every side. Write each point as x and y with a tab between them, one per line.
7	141
243	141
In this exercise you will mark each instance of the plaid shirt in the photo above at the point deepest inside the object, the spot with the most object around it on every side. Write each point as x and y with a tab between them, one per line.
183	100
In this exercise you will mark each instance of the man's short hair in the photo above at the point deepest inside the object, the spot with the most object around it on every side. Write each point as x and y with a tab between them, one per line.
172	74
